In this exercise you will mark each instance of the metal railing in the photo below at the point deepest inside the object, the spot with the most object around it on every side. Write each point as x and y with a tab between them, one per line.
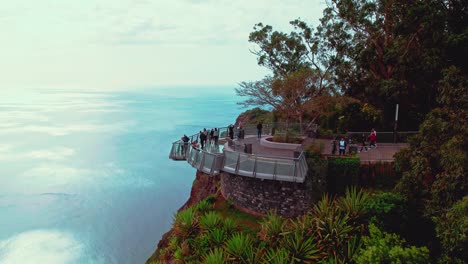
265	167
211	161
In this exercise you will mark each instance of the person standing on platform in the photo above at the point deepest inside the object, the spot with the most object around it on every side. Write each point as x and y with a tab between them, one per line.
202	139
185	139
216	136
259	130
333	143
373	138
342	146
231	131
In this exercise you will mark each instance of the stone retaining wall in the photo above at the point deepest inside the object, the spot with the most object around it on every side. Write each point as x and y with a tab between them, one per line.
260	196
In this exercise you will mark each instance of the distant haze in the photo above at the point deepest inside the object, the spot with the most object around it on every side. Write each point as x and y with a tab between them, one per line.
122	44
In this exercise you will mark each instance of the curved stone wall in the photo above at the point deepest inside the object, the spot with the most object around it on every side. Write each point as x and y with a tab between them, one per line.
275	145
259	196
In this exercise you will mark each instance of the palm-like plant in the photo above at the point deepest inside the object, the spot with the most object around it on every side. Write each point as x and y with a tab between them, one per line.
238	246
353	203
272	229
304	224
229	226
216	237
204	206
332	227
211	220
301	248
216	256
277	256
186	223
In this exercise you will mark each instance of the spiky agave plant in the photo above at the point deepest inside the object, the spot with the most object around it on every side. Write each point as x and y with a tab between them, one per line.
211	220
353	203
186	224
333	227
302	224
229	226
272	229
302	249
203	206
277	256
216	256
238	246
216	237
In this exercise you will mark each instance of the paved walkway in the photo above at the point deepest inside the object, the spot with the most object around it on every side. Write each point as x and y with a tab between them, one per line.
383	151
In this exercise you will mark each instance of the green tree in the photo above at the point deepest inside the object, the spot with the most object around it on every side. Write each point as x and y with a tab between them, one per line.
393	51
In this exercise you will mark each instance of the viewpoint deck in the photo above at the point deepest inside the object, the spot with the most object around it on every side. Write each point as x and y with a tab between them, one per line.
250	157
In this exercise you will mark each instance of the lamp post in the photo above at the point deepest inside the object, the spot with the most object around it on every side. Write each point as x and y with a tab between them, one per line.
395	125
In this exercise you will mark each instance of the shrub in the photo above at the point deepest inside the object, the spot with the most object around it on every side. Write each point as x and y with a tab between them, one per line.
452	230
216	256
186	223
238	246
272	229
388	211
203	206
302	249
353	203
229	226
277	256
211	198
211	220
216	237
381	247
342	172
332	227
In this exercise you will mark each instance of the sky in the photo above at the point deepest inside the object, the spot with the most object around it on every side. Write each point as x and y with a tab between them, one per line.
126	44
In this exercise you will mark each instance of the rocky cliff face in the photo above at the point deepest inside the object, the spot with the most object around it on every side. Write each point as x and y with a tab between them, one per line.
203	186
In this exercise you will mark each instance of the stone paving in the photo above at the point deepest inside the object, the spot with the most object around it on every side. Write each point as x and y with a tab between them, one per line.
383	151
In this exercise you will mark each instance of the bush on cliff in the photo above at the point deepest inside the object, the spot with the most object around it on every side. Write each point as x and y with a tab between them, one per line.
334	231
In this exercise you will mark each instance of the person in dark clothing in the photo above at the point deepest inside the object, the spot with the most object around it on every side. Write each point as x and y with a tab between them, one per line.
202	139
231	131
363	140
333	146
211	138
185	139
259	130
216	136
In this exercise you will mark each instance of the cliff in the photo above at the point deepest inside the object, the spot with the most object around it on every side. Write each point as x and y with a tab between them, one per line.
203	186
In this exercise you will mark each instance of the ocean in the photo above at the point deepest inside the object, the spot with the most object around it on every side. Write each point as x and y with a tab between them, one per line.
85	176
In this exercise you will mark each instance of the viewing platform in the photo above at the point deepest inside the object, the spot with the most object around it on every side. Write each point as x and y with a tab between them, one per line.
249	156
246	157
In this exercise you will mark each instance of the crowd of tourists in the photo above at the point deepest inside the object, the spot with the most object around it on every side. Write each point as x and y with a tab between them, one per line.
210	137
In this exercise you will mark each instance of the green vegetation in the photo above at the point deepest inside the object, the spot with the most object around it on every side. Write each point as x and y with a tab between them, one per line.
348	73
335	230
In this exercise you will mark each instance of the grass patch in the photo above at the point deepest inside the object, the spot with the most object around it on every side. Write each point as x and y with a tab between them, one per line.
244	220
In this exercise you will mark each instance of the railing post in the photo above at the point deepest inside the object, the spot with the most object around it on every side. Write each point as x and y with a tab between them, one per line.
294	170
202	162
237	163
254	172
274	170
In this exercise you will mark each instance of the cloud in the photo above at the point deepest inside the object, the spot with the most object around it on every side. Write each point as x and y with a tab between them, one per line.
40	246
58	153
70	129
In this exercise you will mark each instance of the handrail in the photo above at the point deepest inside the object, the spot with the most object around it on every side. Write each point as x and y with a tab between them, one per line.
267	126
268	156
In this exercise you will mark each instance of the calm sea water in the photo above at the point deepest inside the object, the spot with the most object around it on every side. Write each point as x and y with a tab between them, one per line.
85	176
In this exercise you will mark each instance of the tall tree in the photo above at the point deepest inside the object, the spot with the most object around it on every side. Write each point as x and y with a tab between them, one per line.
391	51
